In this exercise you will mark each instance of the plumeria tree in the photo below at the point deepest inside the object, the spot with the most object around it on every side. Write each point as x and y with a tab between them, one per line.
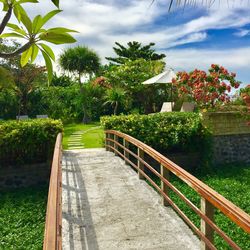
33	32
206	89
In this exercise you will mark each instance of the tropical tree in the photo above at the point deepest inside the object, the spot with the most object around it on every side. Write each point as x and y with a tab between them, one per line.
134	51
115	97
206	89
33	32
22	80
80	60
130	75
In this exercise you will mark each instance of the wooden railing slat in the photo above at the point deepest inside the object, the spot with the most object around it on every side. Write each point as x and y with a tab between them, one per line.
52	234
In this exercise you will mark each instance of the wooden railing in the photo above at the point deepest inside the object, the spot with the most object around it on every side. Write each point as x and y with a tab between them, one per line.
53	226
210	199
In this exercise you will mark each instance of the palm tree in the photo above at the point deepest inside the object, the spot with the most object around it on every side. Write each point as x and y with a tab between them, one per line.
114	97
80	60
185	2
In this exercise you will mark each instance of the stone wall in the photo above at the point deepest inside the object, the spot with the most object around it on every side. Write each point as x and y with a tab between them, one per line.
24	176
231	137
231	148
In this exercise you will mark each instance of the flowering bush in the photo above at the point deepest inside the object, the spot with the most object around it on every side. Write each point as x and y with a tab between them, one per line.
245	91
206	89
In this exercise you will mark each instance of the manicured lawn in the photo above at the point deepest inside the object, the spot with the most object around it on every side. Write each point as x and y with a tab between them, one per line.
22	218
92	138
233	182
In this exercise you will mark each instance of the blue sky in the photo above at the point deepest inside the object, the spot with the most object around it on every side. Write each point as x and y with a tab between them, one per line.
192	38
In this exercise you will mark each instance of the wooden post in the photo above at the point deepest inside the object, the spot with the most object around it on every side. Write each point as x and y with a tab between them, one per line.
208	209
164	187
125	153
115	145
107	142
140	165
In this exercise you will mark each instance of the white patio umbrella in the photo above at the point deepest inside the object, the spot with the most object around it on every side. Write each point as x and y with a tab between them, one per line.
164	77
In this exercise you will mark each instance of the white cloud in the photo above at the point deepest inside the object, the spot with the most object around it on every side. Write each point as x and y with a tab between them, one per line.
102	22
242	33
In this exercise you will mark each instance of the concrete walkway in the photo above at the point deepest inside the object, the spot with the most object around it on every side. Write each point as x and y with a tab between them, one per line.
106	207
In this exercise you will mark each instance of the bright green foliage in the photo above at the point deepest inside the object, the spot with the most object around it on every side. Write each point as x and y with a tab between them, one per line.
166	132
22	218
134	51
94	138
34	33
30	141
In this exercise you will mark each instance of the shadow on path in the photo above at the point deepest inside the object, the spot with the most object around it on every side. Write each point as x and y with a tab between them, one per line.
80	233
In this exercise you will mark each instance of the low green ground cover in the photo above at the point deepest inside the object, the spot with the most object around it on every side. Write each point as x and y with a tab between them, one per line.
92	138
22	218
233	182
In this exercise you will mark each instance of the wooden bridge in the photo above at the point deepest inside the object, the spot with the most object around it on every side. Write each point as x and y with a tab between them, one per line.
96	201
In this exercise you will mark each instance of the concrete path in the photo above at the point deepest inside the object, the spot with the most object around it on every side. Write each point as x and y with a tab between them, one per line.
106	207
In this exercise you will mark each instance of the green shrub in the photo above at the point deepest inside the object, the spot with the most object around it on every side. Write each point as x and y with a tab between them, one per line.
166	132
27	142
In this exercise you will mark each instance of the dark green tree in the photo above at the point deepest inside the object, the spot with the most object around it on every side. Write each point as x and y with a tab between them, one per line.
134	51
23	80
80	60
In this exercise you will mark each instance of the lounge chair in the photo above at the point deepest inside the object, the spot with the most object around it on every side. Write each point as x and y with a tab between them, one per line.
42	116
187	107
22	117
167	107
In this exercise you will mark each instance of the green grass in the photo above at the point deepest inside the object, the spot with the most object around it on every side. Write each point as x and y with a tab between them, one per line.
22	218
233	182
93	138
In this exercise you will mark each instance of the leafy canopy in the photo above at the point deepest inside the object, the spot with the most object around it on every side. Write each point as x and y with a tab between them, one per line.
134	51
131	74
80	60
33	32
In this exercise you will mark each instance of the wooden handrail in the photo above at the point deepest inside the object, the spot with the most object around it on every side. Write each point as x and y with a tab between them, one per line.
53	226
210	199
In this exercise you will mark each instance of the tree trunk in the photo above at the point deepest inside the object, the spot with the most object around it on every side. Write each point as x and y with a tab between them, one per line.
85	115
116	107
86	118
80	82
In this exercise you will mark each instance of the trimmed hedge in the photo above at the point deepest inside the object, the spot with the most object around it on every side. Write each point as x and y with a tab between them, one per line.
166	132
27	142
